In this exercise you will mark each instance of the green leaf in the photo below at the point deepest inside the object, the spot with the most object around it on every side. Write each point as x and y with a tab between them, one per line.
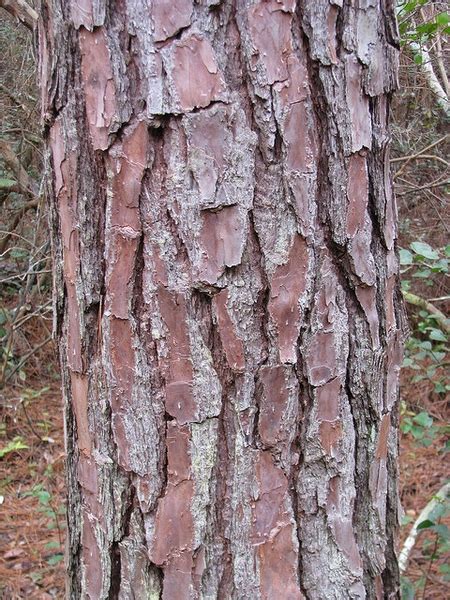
437	335
35	576
427	28
43	497
441	266
13	446
406	257
423	419
431	372
409	6
418	59
442	18
424	249
408	590
426	345
6	183
425	524
439	388
52	545
55	559
438	511
442	531
18	253
423	274
406	285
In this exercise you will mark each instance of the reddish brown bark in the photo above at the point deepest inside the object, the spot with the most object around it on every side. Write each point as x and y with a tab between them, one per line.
226	295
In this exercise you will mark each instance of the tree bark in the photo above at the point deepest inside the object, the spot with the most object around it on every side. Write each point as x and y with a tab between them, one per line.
226	295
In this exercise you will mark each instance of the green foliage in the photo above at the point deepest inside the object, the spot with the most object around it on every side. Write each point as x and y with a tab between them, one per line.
417	30
427	348
422	261
426	354
13	446
408	14
435	547
48	508
421	427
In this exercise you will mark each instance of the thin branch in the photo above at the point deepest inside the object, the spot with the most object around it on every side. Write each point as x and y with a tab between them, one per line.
441	65
422	156
434	84
441	496
25	358
416	188
425	305
413	156
22	11
10	95
15	221
25	182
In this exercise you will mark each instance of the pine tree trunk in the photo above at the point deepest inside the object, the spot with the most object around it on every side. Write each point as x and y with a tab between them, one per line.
226	295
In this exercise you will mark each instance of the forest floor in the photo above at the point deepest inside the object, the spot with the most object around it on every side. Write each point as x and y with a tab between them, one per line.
32	491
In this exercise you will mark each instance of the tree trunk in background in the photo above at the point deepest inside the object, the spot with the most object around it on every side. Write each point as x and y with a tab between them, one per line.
226	295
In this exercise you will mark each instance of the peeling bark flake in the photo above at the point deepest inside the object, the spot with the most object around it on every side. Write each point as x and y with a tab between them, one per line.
92	559
378	469
169	16
270	30
357	193
180	402
174	527
273	532
367	297
222	239
273	405
287	286
358	105
233	345
79	384
195	78
98	83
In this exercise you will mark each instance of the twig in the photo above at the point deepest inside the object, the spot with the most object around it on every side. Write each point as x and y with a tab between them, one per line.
24	181
22	11
442	495
413	156
430	564
421	156
440	63
433	82
422	303
30	423
415	188
15	221
37	312
26	357
11	96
